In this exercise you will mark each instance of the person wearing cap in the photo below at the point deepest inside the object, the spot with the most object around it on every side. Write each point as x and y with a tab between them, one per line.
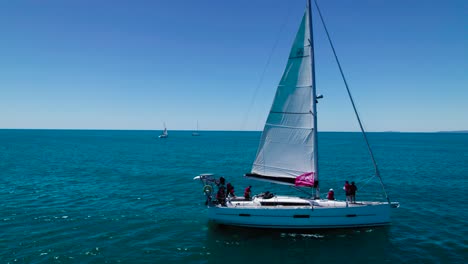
331	195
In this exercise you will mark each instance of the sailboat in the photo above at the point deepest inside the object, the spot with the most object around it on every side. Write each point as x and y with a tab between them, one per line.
288	154
164	134
196	133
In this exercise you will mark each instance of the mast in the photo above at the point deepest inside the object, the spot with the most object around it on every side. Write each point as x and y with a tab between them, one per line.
314	98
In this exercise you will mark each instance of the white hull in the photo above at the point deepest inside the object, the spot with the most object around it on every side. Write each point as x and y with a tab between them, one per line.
319	214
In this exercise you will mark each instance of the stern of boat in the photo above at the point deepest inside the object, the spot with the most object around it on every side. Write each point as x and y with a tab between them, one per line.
208	182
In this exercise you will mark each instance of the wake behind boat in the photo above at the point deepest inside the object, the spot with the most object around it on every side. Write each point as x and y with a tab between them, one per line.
288	155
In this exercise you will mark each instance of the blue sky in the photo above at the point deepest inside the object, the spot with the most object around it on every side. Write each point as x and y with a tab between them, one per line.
136	64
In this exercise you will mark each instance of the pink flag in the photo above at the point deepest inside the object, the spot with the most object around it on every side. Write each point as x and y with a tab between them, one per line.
306	180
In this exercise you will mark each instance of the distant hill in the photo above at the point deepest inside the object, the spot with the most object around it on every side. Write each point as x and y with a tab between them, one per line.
455	131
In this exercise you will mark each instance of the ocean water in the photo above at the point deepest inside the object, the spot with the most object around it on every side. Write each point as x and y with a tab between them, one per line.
84	196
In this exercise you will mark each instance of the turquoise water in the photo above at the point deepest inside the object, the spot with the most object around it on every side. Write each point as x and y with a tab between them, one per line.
70	196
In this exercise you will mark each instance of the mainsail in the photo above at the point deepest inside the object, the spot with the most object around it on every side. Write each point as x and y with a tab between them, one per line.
286	149
164	133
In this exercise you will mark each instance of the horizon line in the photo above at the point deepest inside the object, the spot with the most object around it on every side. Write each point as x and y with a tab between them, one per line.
216	130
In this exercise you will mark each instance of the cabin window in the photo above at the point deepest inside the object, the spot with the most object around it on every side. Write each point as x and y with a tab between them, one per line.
301	216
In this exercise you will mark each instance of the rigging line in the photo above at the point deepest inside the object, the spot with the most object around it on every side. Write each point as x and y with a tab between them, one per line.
262	76
377	173
365	183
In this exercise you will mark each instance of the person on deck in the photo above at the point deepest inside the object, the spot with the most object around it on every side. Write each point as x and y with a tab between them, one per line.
347	189
248	193
331	195
353	189
221	196
230	190
221	182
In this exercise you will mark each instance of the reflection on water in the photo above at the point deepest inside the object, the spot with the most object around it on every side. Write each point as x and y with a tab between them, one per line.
234	244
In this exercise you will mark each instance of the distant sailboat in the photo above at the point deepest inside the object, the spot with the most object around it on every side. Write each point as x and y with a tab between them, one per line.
196	133
164	133
288	155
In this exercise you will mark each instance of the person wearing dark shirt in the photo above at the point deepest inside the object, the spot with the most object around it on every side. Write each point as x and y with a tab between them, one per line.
221	181
230	190
248	193
221	196
352	191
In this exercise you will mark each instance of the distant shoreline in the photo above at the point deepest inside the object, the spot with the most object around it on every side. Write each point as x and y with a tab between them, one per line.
456	131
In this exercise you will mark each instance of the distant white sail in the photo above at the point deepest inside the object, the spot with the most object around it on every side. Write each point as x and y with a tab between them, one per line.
196	133
164	133
286	148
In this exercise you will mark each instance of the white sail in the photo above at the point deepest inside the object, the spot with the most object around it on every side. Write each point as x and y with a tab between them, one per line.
286	148
164	133
196	132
